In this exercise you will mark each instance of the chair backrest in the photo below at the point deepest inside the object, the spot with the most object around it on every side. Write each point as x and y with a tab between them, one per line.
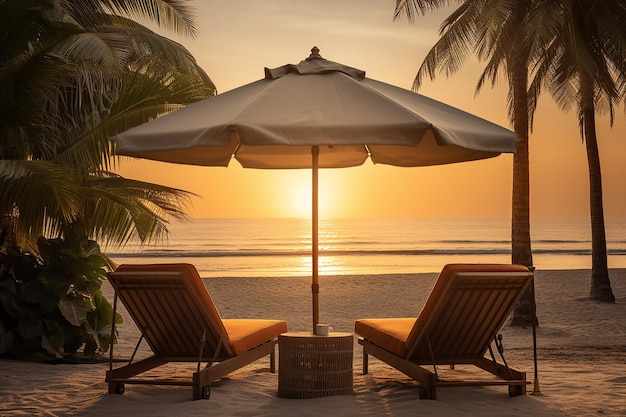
172	308
464	311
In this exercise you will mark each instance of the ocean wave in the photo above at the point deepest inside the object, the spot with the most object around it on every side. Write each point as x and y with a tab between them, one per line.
363	252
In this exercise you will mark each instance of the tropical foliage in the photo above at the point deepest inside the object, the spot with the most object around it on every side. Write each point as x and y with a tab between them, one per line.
583	64
52	305
73	73
525	38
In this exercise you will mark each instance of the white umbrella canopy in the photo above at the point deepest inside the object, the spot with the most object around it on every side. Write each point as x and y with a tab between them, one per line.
316	114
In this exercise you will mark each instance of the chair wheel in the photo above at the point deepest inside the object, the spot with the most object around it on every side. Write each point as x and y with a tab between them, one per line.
119	388
206	392
515	390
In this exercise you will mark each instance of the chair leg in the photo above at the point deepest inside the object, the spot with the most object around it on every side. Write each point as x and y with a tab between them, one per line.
365	362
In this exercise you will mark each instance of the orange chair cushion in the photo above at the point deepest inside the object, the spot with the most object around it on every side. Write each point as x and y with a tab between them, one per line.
390	333
245	334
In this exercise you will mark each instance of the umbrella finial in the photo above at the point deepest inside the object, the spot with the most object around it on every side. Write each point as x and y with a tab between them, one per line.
315	54
314	64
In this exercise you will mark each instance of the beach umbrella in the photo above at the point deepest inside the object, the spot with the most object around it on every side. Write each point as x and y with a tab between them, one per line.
316	114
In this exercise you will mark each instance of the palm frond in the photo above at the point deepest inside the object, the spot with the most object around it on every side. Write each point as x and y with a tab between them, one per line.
413	8
44	195
585	58
175	15
120	210
454	46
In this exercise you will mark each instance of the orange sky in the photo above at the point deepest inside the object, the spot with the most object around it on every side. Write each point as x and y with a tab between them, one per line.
236	43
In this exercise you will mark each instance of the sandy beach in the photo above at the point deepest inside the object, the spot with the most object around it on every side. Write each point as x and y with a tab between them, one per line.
581	350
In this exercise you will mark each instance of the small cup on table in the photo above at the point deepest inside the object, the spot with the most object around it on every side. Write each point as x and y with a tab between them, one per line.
322	329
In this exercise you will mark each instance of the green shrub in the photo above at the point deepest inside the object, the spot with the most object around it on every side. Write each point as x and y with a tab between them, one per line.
51	305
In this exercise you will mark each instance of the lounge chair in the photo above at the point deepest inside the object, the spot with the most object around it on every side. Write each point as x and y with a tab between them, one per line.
178	319
461	318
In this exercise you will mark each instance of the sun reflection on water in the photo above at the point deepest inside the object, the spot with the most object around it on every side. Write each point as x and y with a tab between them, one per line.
327	265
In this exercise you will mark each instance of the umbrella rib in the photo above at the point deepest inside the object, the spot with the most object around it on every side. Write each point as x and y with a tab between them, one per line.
235	150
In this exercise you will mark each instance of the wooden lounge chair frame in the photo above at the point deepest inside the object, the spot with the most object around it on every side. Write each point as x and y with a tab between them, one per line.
177	318
461	318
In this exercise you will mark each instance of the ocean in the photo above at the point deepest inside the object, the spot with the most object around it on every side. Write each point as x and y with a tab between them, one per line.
229	248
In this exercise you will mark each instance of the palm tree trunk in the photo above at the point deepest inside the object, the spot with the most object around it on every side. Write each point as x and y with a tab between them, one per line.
600	283
521	252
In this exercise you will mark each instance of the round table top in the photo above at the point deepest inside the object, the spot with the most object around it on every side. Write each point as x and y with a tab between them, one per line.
310	334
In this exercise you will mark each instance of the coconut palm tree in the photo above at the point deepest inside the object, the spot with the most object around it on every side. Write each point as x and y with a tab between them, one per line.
497	32
576	48
72	74
584	66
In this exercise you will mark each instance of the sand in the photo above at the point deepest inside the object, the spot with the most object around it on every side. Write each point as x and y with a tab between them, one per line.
581	351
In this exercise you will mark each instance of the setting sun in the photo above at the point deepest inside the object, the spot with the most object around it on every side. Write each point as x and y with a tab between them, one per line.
299	192
300	201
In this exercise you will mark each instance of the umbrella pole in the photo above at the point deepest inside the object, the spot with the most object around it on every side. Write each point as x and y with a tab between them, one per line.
315	287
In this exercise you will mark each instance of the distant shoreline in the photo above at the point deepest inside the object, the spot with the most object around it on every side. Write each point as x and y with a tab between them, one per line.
392	275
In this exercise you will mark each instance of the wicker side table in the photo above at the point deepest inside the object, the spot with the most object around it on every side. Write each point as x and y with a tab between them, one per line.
311	366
